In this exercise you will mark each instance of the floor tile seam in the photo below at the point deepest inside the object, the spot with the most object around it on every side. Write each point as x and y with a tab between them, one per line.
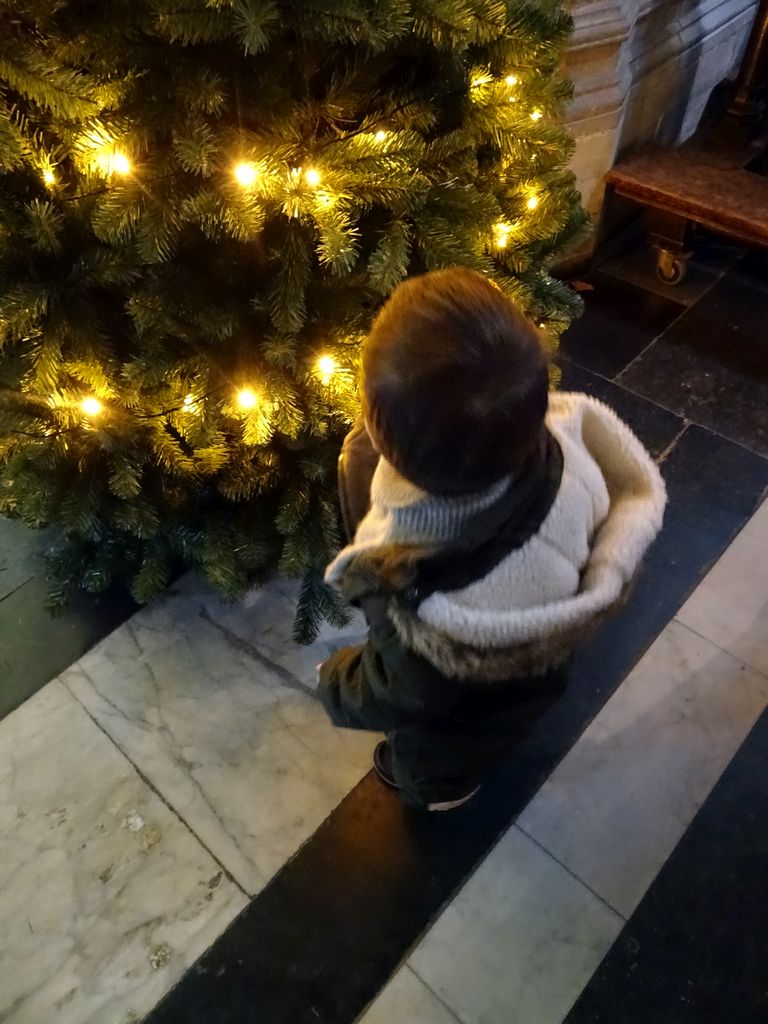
514	824
662	457
690	421
576	877
723	650
618	377
17	588
251	651
455	893
446	1006
156	791
617	383
656	338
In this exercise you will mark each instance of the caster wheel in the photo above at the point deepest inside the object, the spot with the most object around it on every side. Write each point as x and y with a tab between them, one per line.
671	269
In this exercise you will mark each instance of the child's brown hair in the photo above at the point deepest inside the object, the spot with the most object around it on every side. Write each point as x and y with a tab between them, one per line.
455	383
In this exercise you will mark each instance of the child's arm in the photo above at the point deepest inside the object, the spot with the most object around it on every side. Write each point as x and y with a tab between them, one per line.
357	464
382	684
636	488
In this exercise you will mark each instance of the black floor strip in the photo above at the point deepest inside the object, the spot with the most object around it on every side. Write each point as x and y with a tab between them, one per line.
694	952
318	943
36	646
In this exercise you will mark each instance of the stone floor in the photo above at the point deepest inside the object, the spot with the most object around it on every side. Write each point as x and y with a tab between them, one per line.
34	646
186	839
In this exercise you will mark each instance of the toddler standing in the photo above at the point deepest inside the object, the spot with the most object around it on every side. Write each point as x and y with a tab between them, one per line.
491	525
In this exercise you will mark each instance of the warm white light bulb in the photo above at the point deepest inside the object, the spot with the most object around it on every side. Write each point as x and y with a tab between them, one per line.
536	115
511	80
245	173
502	232
91	406
380	135
247	398
121	164
533	202
49	177
312	177
326	366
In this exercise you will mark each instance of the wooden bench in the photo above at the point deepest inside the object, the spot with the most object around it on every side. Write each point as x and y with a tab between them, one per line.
694	186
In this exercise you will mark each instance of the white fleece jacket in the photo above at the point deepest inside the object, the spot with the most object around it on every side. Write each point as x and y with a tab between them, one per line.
608	510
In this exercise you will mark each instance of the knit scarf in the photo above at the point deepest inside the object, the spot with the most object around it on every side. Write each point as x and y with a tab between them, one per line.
403	514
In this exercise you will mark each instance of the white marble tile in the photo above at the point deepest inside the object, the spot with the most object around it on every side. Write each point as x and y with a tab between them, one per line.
245	756
730	606
758	524
265	620
623	796
105	897
407	1000
519	942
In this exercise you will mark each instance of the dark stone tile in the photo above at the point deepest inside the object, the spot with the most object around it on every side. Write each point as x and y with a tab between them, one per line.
714	488
318	943
712	365
694	950
21	551
619	321
35	647
754	266
711	259
656	427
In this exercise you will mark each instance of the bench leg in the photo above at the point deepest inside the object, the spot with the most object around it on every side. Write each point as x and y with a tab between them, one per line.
668	233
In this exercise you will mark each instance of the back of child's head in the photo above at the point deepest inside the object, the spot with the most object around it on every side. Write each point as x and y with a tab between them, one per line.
455	383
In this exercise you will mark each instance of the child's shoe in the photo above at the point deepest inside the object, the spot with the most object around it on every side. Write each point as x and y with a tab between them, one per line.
382	762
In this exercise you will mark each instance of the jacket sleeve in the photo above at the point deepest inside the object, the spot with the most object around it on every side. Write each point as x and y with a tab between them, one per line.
357	464
381	685
636	488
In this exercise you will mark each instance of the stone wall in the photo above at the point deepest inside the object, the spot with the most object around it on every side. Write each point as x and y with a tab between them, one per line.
643	70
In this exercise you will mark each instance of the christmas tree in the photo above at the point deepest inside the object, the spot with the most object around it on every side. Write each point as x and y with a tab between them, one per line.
202	205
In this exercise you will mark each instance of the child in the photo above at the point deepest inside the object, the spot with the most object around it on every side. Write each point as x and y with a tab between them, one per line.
491	525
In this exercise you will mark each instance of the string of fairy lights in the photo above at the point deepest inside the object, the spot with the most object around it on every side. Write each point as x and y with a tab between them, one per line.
246	398
106	156
504	230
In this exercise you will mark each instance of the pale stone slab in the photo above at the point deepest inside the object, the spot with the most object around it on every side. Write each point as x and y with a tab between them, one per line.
240	749
106	898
